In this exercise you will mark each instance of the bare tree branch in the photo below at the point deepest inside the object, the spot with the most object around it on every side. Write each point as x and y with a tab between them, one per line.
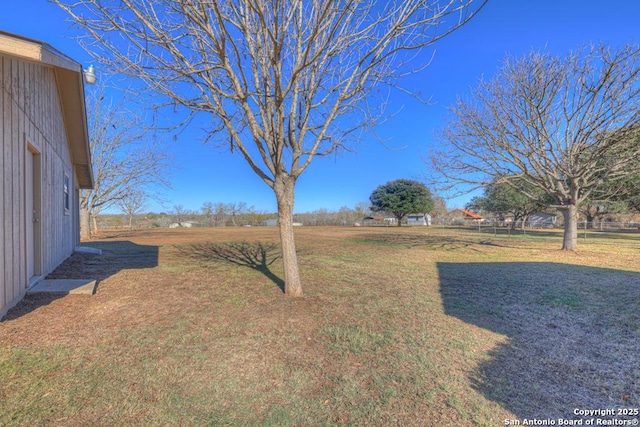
563	125
127	158
132	203
281	81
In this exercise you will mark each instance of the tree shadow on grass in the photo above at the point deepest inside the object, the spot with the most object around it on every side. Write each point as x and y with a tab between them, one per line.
430	241
258	256
573	334
115	256
628	235
413	240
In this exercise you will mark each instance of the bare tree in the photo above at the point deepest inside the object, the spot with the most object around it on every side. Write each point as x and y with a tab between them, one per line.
345	216
125	157
216	214
236	209
208	210
132	203
253	216
179	213
220	214
362	209
283	81
439	207
563	125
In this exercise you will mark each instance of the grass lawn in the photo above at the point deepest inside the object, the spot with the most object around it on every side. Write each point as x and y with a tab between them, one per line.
409	326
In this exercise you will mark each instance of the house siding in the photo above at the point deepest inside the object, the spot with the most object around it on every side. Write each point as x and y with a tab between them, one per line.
31	113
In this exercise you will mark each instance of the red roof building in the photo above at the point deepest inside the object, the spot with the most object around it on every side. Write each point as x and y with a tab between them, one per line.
469	215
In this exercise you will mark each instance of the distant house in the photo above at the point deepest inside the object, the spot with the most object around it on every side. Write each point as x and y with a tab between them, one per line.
184	224
44	161
378	220
269	223
418	219
467	215
542	220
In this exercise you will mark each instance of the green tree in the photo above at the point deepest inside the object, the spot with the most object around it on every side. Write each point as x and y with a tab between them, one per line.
633	195
508	198
401	197
594	210
613	196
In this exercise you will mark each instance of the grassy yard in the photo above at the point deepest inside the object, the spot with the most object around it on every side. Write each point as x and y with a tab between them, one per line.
397	327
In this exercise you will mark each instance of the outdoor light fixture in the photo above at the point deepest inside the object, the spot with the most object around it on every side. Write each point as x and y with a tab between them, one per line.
90	75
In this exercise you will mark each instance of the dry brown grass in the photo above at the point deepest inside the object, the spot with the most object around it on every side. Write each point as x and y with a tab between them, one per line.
397	327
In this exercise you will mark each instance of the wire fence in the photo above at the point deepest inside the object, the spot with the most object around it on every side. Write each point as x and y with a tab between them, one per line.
586	229
550	228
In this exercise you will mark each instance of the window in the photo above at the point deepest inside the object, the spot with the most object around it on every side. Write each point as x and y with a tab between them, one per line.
66	200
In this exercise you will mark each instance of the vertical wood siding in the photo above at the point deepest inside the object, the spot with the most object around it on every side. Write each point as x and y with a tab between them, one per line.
31	114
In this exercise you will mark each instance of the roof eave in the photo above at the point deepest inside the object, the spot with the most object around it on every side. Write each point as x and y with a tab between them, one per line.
71	91
69	79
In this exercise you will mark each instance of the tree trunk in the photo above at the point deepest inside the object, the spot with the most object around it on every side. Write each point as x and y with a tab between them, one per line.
590	217
284	188
570	215
85	223
94	220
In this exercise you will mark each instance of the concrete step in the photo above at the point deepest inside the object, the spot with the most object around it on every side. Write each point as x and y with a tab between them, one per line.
65	286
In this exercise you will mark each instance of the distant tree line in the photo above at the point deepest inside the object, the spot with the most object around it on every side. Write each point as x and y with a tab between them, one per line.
230	214
240	214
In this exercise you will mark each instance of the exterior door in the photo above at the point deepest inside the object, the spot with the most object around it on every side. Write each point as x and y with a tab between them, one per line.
32	213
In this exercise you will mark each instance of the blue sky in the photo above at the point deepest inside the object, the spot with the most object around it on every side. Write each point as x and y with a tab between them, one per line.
503	27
